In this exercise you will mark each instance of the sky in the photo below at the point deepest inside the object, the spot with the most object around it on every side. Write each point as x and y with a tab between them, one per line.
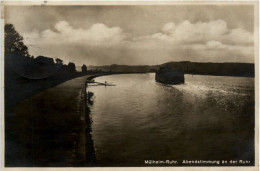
137	35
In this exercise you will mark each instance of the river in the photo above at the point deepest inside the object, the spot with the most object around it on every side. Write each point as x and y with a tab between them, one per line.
207	118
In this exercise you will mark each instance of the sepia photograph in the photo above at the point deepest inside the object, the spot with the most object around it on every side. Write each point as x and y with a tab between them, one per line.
130	84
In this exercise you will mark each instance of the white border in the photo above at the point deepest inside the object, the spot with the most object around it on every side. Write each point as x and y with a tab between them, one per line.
141	2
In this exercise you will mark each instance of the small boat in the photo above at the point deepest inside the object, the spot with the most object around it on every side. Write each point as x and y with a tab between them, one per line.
108	84
94	83
166	75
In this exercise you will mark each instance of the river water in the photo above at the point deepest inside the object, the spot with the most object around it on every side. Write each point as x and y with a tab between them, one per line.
207	118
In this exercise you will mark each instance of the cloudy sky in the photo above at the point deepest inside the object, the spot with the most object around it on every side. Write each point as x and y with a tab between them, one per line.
137	35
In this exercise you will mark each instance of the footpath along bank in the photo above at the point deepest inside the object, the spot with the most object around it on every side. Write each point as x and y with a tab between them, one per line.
50	128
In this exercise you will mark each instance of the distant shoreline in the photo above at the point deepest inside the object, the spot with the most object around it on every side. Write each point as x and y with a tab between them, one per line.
28	88
198	68
119	73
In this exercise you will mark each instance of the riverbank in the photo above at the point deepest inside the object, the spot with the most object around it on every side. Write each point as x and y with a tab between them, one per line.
49	128
18	88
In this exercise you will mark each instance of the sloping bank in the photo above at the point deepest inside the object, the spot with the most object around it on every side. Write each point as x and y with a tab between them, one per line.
51	128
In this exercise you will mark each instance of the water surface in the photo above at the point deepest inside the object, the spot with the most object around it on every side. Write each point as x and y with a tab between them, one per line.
208	117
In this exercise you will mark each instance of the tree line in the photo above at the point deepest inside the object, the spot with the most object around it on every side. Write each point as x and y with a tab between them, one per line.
18	58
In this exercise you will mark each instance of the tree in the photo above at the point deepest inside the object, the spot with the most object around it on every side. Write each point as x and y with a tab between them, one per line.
14	42
72	67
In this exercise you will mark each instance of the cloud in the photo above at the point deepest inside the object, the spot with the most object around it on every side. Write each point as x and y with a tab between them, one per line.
218	46
201	32
239	36
168	28
99	44
97	34
210	45
214	44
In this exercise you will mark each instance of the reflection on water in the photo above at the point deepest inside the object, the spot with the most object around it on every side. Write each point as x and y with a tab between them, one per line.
89	144
209	117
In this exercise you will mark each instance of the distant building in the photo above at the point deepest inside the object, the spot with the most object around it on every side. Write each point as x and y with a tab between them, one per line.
59	61
152	70
42	60
71	67
84	68
64	67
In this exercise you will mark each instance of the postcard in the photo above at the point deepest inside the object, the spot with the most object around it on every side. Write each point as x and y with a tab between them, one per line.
130	85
